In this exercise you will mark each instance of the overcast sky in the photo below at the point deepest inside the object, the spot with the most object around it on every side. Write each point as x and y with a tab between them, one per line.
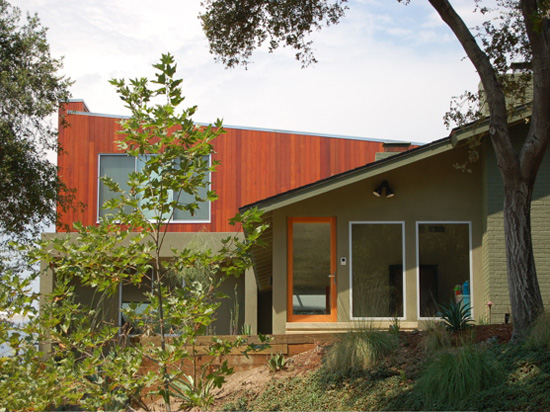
386	71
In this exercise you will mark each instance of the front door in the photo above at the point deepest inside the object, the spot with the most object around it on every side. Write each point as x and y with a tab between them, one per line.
311	293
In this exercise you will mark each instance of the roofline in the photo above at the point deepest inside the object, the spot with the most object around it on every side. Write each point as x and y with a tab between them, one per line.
351	176
319	187
77	101
481	127
257	129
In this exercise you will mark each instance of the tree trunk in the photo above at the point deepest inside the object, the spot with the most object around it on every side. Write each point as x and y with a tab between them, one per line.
525	297
518	171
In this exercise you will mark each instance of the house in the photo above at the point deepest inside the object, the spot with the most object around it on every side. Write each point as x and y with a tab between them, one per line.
389	240
356	236
255	164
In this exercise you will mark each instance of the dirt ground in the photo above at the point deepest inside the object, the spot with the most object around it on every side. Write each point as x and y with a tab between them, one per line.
257	379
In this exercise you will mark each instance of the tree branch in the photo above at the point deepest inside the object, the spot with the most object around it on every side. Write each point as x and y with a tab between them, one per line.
537	24
507	156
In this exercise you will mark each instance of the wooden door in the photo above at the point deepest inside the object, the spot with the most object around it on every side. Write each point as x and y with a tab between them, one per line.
311	294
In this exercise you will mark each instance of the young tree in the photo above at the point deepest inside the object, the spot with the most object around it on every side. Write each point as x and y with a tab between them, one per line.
95	363
235	29
30	90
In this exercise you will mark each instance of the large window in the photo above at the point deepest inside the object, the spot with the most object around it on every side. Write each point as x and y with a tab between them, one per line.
377	261
118	167
443	265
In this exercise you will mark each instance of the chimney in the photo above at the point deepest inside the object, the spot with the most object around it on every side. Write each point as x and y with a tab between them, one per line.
392	148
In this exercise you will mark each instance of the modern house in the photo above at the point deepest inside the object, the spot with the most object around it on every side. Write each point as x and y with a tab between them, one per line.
255	164
356	236
391	239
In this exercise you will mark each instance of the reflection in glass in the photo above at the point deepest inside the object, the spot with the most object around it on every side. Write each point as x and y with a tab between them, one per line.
444	259
377	269
311	268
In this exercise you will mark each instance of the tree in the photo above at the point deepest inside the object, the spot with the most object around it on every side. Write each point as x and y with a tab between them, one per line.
234	29
94	363
30	90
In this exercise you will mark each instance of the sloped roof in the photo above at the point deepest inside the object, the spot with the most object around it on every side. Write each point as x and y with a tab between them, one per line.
457	136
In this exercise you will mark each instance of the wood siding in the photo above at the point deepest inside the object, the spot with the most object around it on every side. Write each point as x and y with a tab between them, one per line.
254	164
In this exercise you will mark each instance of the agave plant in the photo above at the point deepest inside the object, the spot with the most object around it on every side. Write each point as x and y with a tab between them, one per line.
277	362
455	315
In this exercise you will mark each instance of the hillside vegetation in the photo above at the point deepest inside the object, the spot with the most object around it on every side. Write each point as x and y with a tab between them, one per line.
474	369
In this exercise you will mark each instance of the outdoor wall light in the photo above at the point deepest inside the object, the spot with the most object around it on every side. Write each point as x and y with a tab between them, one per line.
383	187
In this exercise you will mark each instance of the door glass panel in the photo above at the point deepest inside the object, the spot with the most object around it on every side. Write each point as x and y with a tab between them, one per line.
444	265
311	260
377	269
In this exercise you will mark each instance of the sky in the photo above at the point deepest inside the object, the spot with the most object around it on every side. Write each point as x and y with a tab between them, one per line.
387	71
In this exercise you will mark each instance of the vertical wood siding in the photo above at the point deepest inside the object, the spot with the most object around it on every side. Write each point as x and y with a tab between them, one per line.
254	165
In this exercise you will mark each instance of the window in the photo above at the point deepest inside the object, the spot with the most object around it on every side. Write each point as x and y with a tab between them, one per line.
376	269
443	265
118	167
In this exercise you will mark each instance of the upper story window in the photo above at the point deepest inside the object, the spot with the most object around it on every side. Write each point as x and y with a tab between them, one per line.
119	166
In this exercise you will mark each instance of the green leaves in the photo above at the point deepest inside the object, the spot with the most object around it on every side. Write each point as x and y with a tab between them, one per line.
455	315
30	91
235	29
95	362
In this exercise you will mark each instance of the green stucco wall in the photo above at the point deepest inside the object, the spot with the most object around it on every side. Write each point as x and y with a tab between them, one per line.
431	189
245	285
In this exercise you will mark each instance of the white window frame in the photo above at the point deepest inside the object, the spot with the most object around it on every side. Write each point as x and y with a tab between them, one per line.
470	256
173	221
402	223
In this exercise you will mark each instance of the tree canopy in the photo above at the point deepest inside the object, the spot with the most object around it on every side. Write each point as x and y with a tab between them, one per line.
518	38
30	90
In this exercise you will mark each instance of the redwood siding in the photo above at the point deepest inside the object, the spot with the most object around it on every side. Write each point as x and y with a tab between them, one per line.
254	165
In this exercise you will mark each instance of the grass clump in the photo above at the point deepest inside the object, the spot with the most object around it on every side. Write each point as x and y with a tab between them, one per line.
454	375
359	351
539	333
436	338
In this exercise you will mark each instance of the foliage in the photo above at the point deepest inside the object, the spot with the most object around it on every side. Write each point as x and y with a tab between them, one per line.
395	325
93	363
246	329
235	29
234	315
30	90
436	338
191	392
359	350
385	389
455	315
277	362
454	375
539	333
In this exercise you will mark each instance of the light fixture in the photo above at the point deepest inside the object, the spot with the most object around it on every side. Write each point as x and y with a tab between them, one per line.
383	187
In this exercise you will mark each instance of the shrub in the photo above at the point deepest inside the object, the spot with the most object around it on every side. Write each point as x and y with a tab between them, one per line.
455	375
358	351
539	333
277	362
455	315
436	338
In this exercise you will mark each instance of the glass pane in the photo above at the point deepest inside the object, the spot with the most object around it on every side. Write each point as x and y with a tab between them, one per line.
444	258
201	213
117	167
377	269
311	268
